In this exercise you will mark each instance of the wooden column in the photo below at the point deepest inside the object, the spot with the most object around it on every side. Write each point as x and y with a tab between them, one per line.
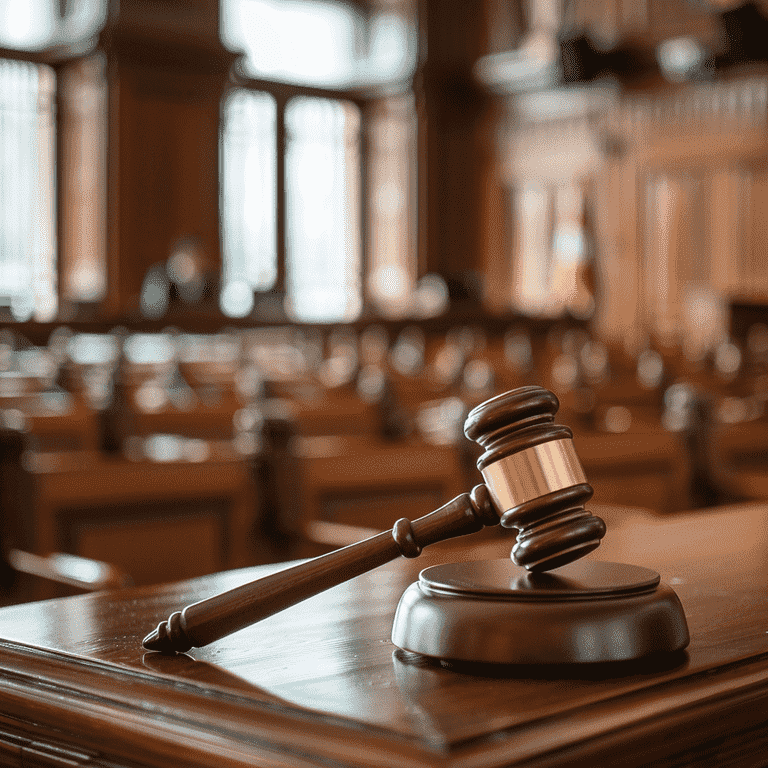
166	72
451	146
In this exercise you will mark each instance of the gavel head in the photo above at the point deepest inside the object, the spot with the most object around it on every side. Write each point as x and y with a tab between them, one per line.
535	478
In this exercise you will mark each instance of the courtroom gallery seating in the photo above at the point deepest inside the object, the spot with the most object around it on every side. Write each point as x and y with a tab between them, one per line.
198	449
24	574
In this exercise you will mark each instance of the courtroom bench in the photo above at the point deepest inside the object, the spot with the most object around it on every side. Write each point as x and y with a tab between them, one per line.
643	467
157	520
333	489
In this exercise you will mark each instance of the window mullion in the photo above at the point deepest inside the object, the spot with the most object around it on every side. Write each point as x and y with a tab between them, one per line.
281	228
364	201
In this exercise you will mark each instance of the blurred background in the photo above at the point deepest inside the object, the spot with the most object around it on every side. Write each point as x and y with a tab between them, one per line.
258	259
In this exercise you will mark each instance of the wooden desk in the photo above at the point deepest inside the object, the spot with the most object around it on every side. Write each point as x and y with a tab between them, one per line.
322	685
157	520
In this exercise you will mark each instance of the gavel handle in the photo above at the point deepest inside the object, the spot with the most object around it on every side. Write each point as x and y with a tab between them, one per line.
216	617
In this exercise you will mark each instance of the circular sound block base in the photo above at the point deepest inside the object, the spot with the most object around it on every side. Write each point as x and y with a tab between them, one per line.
495	612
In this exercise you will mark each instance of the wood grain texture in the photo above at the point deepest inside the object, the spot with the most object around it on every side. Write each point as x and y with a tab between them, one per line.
321	683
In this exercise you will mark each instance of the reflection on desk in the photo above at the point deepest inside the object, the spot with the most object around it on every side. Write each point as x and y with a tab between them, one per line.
321	683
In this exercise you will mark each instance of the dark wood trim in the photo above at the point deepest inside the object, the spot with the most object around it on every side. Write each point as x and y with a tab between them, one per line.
159	53
454	105
94	698
191	322
699	717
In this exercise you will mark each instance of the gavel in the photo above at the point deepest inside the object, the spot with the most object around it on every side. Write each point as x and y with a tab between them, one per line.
534	483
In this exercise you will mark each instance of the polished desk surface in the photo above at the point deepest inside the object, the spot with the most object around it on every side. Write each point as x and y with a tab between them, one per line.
322	684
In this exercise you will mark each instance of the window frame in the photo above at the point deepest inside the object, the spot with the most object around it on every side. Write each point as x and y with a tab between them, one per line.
57	58
268	306
365	99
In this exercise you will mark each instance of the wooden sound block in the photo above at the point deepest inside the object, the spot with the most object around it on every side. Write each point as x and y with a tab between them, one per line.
493	611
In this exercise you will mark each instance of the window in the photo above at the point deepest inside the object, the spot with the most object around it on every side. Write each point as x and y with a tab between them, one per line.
318	158
321	43
29	113
323	191
392	206
295	41
27	172
34	25
552	251
249	198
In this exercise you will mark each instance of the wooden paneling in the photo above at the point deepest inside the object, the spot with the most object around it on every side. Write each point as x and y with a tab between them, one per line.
452	152
166	71
640	469
153	544
168	171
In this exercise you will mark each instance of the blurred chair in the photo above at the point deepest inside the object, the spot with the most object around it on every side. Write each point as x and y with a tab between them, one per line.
179	509
52	421
640	467
323	492
172	384
82	574
335	413
21	572
713	478
32	399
